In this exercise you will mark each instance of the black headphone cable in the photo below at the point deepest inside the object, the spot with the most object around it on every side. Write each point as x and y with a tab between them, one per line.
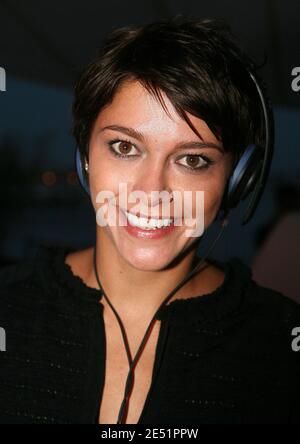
132	362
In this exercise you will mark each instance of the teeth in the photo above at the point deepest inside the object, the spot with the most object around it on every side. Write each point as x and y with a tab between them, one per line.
143	223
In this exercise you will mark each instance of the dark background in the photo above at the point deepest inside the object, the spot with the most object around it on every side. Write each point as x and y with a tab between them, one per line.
43	45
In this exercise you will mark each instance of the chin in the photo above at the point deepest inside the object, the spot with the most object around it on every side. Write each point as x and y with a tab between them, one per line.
147	259
148	255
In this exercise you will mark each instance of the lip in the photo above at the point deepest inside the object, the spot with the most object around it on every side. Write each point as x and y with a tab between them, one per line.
146	234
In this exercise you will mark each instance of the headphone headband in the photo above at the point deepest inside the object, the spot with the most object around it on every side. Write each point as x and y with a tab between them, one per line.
268	150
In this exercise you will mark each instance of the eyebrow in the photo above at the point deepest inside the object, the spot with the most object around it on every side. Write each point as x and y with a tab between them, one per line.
181	145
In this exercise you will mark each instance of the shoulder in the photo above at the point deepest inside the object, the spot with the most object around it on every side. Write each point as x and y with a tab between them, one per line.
35	273
265	332
255	299
19	282
16	279
26	273
272	304
262	300
43	287
27	287
17	296
270	324
272	337
16	273
266	320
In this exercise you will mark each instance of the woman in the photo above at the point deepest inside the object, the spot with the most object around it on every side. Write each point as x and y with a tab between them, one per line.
168	106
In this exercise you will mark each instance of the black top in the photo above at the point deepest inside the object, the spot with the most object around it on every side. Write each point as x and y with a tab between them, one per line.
225	357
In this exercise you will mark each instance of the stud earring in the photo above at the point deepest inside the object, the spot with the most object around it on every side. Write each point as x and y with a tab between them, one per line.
86	166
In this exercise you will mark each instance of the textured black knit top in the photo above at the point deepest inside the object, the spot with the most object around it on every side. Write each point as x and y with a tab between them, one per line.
225	357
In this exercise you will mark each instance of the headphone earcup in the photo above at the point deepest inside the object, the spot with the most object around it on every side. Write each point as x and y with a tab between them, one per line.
80	172
243	179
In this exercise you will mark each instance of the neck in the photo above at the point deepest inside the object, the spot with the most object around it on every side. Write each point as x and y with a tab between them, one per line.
143	291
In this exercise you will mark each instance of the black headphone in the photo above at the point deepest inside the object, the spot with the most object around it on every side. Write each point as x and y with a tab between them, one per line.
252	170
249	175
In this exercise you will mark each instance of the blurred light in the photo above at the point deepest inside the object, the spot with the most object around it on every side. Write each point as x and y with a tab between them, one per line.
72	178
49	178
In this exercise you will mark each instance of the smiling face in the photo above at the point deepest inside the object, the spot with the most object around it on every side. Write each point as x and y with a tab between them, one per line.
161	154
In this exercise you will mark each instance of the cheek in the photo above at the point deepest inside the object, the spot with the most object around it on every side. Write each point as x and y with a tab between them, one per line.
212	202
102	179
107	172
213	189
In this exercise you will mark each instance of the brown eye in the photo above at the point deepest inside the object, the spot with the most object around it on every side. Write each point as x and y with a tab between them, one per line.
195	162
124	148
121	148
192	161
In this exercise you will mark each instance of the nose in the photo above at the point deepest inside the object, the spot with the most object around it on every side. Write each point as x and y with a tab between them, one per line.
151	180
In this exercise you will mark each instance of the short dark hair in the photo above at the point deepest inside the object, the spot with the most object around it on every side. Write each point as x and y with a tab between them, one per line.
197	63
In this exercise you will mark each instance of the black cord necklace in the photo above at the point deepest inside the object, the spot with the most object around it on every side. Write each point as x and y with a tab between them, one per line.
132	362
